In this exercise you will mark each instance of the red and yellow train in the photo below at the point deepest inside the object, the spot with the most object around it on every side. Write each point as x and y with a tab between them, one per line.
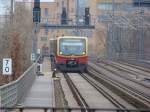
70	53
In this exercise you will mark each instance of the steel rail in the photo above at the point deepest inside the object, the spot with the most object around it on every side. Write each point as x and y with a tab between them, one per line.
104	93
135	66
122	87
126	69
77	95
129	79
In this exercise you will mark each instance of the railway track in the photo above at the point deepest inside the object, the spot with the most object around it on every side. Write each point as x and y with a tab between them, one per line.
77	95
141	63
104	92
135	66
133	96
133	70
82	102
120	74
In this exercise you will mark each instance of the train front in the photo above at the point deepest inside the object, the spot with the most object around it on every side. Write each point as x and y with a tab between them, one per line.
72	53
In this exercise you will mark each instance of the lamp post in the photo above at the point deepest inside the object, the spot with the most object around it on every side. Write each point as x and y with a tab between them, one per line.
11	10
36	20
141	30
77	12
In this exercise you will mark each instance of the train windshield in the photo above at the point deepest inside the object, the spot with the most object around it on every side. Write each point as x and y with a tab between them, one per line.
72	46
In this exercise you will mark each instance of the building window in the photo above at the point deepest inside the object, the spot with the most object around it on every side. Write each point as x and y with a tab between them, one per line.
62	3
46	11
46	31
105	6
57	4
72	10
44	38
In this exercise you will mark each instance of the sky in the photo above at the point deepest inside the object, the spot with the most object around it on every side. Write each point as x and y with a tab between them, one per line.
33	0
5	5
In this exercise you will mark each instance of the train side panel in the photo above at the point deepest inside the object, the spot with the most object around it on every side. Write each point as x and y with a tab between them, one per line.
53	53
53	47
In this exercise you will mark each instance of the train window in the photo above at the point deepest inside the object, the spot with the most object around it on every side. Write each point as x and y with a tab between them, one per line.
72	46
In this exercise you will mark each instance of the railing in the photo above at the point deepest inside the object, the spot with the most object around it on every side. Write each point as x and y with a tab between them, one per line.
52	109
126	56
72	21
14	92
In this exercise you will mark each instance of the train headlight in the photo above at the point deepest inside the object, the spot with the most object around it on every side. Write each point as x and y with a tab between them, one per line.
83	52
60	52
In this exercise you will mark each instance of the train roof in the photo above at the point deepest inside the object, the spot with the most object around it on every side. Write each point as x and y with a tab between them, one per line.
71	37
52	39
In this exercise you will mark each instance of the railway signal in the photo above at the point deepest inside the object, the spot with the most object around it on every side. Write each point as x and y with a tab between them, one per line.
63	21
87	16
37	12
64	17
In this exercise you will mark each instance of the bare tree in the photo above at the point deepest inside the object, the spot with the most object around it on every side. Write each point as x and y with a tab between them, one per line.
16	41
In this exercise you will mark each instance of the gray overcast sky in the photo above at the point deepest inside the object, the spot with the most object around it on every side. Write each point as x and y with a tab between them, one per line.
40	0
47	0
4	6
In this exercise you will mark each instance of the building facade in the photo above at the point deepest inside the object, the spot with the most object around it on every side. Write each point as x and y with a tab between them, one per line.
127	35
51	14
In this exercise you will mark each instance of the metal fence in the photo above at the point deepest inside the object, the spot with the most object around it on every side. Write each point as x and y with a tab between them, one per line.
14	92
126	56
53	109
72	21
128	29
